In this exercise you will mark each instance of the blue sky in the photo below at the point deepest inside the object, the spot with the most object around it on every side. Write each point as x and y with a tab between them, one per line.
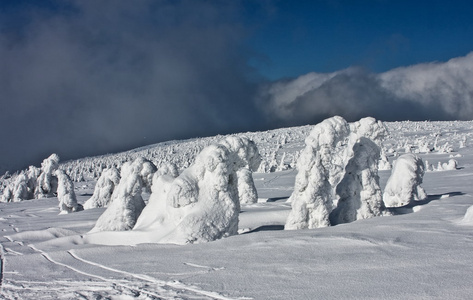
298	37
87	77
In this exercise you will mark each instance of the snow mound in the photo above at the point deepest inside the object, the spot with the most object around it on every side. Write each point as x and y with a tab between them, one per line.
403	186
468	218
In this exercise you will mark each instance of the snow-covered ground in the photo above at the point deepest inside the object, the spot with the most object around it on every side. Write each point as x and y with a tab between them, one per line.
423	251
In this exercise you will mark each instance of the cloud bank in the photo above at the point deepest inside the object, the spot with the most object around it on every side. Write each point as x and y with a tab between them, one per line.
89	77
435	91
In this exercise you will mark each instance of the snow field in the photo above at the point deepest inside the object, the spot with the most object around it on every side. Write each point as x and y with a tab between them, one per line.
422	251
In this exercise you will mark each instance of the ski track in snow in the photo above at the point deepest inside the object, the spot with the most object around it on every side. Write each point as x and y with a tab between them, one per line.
115	282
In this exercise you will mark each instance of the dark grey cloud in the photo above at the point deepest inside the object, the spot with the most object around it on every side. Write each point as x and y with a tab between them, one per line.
88	77
430	91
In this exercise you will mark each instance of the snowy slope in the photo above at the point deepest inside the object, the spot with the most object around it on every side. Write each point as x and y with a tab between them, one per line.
423	251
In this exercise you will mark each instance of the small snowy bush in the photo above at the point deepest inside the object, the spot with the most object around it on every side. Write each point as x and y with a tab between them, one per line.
450	165
403	186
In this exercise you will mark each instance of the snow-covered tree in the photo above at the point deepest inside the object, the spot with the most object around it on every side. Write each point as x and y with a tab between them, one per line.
32	176
104	188
155	213
403	186
249	161
20	188
247	192
7	195
339	162
65	194
359	191
127	203
321	166
46	184
202	203
167	168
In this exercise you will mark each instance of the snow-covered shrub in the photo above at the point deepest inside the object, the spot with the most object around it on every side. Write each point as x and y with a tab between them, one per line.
65	194
451	165
462	142
428	166
321	166
423	147
445	148
202	204
403	185
383	163
46	184
127	203
104	189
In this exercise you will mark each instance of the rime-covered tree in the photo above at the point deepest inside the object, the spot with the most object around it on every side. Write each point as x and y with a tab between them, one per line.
65	193
104	188
403	186
359	193
202	203
46	184
321	166
127	203
338	164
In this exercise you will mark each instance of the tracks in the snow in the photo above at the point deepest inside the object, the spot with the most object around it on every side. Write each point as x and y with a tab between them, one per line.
100	280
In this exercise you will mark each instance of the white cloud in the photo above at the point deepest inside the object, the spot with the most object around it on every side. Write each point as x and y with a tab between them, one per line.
424	91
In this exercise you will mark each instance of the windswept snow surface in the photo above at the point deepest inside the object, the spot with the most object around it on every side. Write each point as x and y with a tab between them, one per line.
423	251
